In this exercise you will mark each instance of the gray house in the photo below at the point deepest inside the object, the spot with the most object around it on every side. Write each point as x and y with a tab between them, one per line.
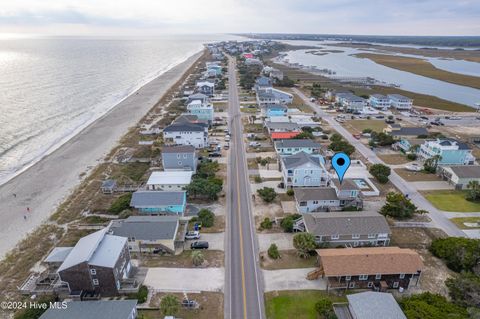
304	170
197	96
371	305
346	228
181	157
99	309
294	146
98	263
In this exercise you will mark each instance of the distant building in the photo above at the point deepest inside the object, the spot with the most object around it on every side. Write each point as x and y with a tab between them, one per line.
197	96
273	96
460	176
194	134
181	157
408	132
98	309
451	152
159	202
262	83
351	102
292	147
205	87
169	180
379	101
400	102
109	186
304	170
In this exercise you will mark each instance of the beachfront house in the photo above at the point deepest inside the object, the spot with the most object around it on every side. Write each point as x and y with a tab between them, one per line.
400	102
346	229
150	233
159	202
197	96
179	158
195	134
304	170
460	176
98	309
294	146
451	152
203	111
98	263
169	180
379	101
205	87
378	268
370	305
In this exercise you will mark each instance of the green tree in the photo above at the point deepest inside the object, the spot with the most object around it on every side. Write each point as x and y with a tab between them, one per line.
290	192
380	172
169	305
197	258
204	187
431	306
339	145
464	289
266	223
304	243
398	206
120	204
430	165
268	194
473	193
382	139
207	168
273	252
324	308
335	137
206	217
459	253
287	223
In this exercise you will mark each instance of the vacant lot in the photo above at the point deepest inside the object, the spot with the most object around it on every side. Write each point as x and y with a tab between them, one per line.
213	258
357	126
410	176
394	159
299	304
423	68
288	260
451	201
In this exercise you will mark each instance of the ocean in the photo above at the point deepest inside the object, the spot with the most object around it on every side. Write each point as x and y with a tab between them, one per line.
52	88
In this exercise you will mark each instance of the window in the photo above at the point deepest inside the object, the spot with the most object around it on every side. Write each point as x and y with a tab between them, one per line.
303	203
335	236
402	276
363	277
93	271
351	284
370	284
179	162
395	284
372	235
184	155
95	282
355	236
378	276
348	278
178	155
315	202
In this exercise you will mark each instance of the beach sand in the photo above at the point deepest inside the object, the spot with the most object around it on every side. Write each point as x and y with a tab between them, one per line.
45	185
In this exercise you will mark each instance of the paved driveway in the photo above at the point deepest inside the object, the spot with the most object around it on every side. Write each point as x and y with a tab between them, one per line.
215	241
185	279
291	279
284	241
270	173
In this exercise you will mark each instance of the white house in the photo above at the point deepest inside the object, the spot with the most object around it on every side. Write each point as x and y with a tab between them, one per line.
169	180
352	103
186	133
304	170
204	111
400	102
270	95
206	87
379	101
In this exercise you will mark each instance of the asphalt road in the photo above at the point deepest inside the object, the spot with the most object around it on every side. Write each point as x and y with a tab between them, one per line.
438	217
243	282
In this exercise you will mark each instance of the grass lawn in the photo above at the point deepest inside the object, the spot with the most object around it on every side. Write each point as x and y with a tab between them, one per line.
459	221
298	304
451	201
288	260
249	110
357	126
394	159
410	176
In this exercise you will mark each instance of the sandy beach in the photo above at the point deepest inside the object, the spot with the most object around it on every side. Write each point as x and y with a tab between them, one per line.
44	186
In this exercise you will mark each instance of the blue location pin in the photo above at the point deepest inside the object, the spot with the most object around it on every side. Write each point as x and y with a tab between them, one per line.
340	163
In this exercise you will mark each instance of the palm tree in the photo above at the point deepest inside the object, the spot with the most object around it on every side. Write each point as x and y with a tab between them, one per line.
169	305
473	185
197	258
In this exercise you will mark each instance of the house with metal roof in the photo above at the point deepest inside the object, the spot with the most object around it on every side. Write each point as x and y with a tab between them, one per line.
294	146
460	176
195	134
378	268
282	127
98	263
369	305
148	233
400	102
98	309
159	202
379	101
408	132
197	96
304	170
169	180
349	229
203	110
205	87
451	151
179	158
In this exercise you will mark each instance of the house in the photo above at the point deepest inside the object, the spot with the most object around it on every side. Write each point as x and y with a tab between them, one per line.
253	61
276	75
405	144
98	309
206	87
262	83
169	180
326	199
276	110
451	152
108	186
98	263
159	202
204	111
373	305
248	55
408	132
379	101
400	102
148	233
195	134
197	96
304	170
378	268
293	146
348	229
270	95
352	103
460	176
179	158
282	127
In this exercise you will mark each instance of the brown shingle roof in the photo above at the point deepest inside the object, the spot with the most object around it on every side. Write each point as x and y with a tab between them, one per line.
369	261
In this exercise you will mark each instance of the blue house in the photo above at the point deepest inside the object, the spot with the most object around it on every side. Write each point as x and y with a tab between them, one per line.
304	170
293	146
276	110
451	152
159	202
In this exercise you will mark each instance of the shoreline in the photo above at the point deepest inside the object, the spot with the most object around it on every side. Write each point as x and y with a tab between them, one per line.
46	184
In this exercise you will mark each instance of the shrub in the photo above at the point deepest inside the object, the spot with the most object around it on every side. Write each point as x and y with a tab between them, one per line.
431	306
206	217
258	179
169	305
464	289
324	308
287	224
268	194
304	243
380	172
290	192
197	258
412	156
460	254
142	294
398	206
273	252
266	223
120	204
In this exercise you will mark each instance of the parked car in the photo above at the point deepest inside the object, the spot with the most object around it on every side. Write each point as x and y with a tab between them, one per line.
424	118
254	144
215	154
193	234
357	136
199	245
414	167
380	117
226	146
434	123
227	138
455	118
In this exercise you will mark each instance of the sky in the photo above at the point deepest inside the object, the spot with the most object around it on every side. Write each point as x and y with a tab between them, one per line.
156	17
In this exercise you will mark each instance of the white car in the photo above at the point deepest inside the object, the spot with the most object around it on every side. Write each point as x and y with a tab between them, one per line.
413	167
193	234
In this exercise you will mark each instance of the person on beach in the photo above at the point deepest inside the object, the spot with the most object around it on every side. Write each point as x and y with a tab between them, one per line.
14	195
28	209
25	217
